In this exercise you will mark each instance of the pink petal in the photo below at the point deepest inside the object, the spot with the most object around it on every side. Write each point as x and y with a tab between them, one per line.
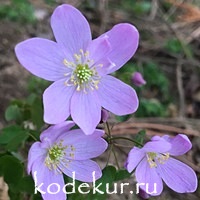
178	176
70	28
47	177
124	40
83	147
98	48
180	144
53	132
159	146
116	96
43	58
56	100
103	66
147	175
83	169
134	157
86	110
36	151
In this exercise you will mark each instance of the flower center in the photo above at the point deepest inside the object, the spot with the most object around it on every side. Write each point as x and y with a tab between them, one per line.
55	155
155	158
83	73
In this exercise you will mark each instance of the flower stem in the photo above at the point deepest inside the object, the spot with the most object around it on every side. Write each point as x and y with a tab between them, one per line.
124	138
114	153
109	154
34	138
112	145
108	129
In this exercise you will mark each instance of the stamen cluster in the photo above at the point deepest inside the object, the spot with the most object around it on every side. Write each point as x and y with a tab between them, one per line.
153	157
55	155
83	75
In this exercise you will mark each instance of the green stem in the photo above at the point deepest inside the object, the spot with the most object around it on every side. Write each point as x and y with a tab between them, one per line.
112	145
111	148
108	129
116	159
34	138
123	138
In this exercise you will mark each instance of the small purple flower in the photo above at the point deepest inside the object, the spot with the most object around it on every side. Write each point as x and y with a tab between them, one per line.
154	164
104	115
79	67
62	150
137	79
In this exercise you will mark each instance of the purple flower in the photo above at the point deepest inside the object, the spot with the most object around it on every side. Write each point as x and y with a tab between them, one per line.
62	150
137	79
79	67
154	164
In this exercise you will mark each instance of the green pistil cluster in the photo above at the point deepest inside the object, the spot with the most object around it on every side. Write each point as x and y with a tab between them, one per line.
83	73
82	76
55	155
56	152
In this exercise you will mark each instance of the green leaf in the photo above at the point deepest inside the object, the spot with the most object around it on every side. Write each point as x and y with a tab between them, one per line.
9	133
37	112
122	174
150	108
123	118
12	137
14	144
26	184
139	7
13	113
107	178
140	137
37	196
11	169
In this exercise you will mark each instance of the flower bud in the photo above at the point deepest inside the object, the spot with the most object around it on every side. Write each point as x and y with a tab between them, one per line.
137	79
104	115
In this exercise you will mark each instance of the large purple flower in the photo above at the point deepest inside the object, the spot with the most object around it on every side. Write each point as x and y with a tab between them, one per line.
154	164
79	67
62	150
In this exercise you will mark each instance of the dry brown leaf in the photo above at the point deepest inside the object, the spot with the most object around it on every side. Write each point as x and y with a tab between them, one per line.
191	12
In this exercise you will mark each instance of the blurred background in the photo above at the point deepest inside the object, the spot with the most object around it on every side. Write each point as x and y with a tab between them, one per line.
168	57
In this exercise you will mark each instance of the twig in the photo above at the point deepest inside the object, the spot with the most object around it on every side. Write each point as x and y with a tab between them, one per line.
172	10
195	34
103	14
127	128
154	9
177	35
180	90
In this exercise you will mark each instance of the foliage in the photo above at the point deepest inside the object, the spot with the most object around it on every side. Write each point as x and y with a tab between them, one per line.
137	7
18	10
150	108
154	96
